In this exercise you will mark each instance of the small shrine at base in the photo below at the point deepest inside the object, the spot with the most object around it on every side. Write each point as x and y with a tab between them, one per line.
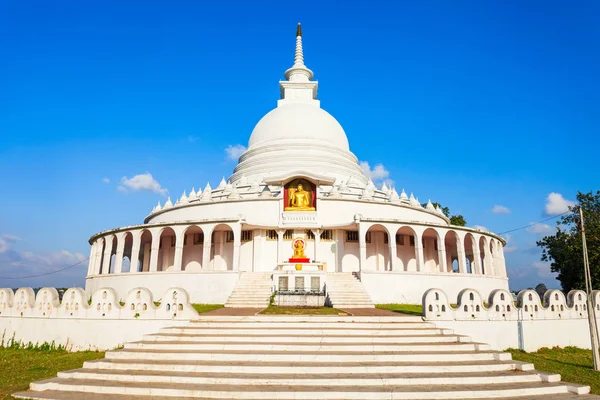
299	257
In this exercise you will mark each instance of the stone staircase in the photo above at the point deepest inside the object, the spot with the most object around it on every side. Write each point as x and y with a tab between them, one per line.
344	290
252	290
302	358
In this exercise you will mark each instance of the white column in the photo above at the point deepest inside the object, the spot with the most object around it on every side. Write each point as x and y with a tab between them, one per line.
206	248
442	255
340	242
107	253
280	256
91	259
362	246
237	236
153	267
393	251
488	260
317	233
419	250
462	257
135	250
120	251
477	258
179	239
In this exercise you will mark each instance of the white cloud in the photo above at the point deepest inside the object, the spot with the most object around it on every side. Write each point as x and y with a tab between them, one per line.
106	180
541	229
543	269
500	210
233	152
557	204
6	242
377	173
510	247
482	228
141	182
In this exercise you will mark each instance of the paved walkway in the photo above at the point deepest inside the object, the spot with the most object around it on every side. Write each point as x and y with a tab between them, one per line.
359	312
234	312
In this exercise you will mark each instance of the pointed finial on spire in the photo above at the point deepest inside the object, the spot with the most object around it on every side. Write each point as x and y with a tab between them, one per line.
299	72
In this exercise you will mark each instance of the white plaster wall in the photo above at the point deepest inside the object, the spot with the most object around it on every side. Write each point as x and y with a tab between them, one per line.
202	287
403	287
81	334
526	335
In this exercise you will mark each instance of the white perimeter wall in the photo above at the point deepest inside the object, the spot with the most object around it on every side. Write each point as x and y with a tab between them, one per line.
81	334
407	288
525	335
203	287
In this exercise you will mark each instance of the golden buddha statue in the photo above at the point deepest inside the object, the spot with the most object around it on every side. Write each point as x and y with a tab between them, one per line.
299	249
299	199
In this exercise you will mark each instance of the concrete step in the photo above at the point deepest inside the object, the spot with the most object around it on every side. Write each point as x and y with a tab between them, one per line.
306	347
328	379
321	356
347	323
306	331
368	367
300	339
186	390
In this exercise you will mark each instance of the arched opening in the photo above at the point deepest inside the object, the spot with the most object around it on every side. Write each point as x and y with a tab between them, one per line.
193	249
166	250
406	251
483	256
452	243
113	256
126	262
101	256
431	251
221	257
145	253
378	249
470	253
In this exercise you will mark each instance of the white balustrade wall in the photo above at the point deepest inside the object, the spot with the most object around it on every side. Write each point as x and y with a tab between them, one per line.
81	323
530	324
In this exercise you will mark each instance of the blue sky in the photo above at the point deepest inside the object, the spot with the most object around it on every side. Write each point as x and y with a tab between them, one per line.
472	104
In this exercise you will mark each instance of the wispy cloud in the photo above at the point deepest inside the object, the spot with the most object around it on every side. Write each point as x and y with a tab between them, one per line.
510	247
234	151
377	174
500	210
541	229
481	228
556	204
106	180
543	269
141	182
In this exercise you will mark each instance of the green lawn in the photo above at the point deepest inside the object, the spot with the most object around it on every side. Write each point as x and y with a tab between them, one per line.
412	309
272	310
573	364
19	367
202	308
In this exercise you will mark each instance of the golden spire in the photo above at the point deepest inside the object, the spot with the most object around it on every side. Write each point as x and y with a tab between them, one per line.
299	30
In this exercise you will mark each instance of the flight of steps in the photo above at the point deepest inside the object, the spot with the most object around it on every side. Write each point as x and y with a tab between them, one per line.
252	290
344	290
304	358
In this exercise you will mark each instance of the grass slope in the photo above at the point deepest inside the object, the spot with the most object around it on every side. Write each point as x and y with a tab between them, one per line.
412	309
575	365
202	308
274	310
19	367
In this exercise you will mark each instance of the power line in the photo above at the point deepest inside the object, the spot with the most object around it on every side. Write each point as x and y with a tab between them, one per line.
535	223
46	273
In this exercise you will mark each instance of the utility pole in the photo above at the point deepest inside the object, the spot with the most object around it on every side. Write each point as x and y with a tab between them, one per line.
588	289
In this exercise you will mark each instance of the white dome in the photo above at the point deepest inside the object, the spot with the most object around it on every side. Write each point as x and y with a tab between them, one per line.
295	121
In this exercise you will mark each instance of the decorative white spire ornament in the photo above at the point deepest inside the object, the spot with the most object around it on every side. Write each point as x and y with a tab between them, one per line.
394	198
299	72
184	198
334	193
158	206
235	195
192	195
430	206
403	195
366	194
222	184
168	204
207	194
